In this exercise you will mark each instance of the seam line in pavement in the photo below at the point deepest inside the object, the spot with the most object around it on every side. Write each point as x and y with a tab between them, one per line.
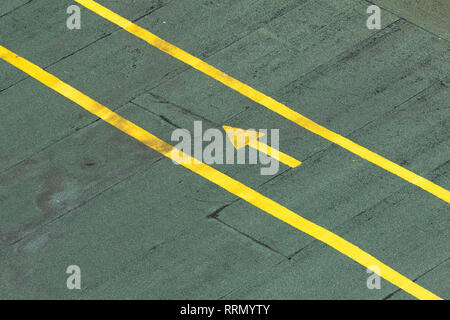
222	180
418	278
409	21
103	36
11	11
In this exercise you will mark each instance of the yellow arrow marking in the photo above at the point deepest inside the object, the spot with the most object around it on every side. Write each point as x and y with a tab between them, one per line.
240	138
222	180
266	101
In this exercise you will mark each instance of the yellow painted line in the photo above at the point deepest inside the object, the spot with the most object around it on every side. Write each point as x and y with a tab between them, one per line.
266	101
274	153
231	185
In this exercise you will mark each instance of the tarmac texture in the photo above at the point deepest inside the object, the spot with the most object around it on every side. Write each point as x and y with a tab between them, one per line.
76	191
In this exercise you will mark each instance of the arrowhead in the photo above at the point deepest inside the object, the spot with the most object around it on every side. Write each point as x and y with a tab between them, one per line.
240	137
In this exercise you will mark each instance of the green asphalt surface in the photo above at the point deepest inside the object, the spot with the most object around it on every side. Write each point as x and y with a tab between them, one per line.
76	191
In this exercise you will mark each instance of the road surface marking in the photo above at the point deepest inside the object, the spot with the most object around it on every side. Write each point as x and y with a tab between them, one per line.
240	138
266	101
222	180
